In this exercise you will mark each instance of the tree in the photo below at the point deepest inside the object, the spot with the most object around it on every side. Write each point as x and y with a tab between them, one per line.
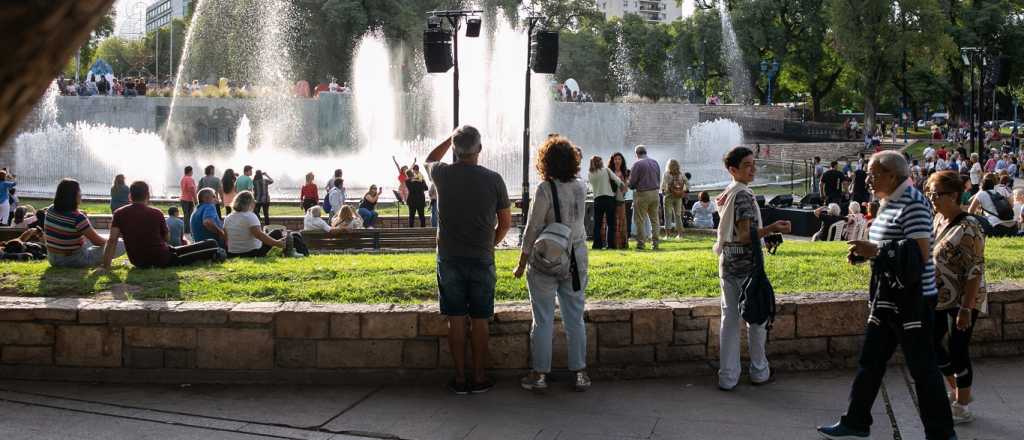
87	53
126	57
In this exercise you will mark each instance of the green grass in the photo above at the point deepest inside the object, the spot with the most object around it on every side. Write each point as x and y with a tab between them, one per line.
684	268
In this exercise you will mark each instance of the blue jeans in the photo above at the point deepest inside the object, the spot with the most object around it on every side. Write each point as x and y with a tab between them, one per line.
86	256
543	290
433	213
369	217
466	286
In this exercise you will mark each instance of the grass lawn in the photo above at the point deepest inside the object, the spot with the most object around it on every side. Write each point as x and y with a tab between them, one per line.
684	268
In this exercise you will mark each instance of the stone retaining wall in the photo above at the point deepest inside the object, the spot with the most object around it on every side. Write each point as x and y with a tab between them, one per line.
828	151
303	342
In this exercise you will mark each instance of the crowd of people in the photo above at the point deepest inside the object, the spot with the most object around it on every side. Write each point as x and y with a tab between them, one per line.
109	85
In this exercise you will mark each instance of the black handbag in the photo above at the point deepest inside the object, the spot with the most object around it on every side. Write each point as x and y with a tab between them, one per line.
757	301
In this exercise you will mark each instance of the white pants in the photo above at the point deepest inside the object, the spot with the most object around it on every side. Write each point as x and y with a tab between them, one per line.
5	212
729	338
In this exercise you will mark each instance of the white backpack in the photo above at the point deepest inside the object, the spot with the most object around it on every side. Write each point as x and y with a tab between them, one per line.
553	253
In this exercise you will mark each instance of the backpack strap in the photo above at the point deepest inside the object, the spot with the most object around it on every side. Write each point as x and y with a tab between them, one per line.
554	201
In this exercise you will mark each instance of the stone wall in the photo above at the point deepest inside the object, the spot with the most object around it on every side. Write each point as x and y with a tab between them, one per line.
303	342
295	223
828	151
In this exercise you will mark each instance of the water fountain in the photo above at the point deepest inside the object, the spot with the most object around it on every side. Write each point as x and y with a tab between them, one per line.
739	74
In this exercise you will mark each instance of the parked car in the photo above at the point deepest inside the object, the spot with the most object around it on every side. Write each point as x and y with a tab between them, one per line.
940	118
923	124
1008	124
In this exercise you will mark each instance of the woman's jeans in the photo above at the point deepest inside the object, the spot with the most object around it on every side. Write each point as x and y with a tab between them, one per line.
433	213
543	290
86	256
187	207
369	217
729	367
604	213
674	213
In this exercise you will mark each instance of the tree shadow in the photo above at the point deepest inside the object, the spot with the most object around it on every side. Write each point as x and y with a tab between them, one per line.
70	282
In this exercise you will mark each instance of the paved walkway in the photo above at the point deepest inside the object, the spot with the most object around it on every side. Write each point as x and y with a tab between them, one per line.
647	409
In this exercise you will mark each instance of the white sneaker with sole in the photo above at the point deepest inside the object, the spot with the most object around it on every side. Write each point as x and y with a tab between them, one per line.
961	414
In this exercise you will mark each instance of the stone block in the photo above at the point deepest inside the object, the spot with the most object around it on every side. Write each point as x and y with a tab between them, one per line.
678	353
685	322
125	317
202	313
1013	332
180	358
433	324
803	347
419	353
359	354
626	355
26	333
609	314
88	346
144	358
560	346
27	355
160	337
614	334
345	326
92	316
845	345
1014	312
301	325
254	312
652	326
706	310
691	337
227	348
835	318
390	325
295	353
513	313
987	329
510	328
509	351
784	328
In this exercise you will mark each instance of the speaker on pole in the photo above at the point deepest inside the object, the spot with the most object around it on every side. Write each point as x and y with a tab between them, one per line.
545	52
437	50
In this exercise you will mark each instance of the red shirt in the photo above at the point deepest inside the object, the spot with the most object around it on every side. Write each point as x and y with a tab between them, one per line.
143	229
188	189
309	192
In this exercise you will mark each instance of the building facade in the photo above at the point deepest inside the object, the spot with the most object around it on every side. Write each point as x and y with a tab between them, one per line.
654	11
161	12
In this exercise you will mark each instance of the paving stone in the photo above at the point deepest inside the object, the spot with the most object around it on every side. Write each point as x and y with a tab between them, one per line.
301	325
784	327
804	347
26	333
160	337
417	353
560	346
509	328
88	346
389	325
226	348
691	337
987	329
626	355
509	351
27	355
652	326
676	353
1013	332
344	326
359	353
291	353
845	345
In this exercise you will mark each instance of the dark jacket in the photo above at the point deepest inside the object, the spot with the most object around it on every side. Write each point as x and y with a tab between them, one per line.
896	285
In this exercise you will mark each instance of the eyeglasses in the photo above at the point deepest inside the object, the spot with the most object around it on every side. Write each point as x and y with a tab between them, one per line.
935	195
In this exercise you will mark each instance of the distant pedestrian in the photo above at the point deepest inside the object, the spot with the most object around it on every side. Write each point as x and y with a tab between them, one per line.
676	188
416	200
475	213
605	185
645	179
119	194
308	194
209	180
261	192
244	182
368	206
623	202
227	184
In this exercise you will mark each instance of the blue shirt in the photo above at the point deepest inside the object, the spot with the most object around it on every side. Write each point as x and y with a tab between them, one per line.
199	232
5	190
176	226
907	215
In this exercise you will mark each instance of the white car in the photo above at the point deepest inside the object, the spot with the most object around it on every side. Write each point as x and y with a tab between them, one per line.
923	124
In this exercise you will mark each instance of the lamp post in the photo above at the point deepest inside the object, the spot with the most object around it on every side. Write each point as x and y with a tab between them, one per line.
531	25
970	56
770	70
472	30
904	117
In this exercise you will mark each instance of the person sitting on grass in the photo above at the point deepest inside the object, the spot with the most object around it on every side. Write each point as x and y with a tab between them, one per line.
368	206
346	220
245	235
205	222
312	221
176	227
118	193
66	230
704	211
146	235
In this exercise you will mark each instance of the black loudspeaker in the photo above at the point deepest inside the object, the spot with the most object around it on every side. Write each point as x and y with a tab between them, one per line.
781	201
545	52
811	199
473	27
437	50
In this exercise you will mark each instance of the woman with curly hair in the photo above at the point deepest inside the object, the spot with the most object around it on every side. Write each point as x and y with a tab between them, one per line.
558	163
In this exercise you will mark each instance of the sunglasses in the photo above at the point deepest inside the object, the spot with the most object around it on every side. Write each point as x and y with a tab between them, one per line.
935	195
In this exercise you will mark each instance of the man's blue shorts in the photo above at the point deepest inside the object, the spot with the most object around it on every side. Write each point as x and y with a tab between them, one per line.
466	286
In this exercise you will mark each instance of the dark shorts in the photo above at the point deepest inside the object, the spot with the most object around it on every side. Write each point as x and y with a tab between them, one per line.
466	287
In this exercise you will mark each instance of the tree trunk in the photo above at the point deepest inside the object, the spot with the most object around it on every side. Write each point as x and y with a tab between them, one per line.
870	108
956	81
40	36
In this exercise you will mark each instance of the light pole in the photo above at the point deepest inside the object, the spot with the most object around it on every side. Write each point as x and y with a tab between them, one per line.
970	56
904	117
770	70
472	30
531	24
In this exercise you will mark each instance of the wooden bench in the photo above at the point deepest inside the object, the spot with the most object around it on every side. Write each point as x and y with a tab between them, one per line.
10	233
375	239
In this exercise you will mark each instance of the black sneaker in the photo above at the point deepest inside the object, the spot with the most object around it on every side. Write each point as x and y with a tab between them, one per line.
482	387
460	389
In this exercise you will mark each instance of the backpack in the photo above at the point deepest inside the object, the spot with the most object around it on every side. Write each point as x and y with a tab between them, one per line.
327	202
676	188
553	253
757	300
1004	211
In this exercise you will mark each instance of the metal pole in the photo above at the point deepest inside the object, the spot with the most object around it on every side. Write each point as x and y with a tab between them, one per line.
78	67
455	77
792	179
526	132
170	57
974	132
157	63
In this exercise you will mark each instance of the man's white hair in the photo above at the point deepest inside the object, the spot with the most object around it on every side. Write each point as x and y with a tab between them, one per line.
640	150
466	140
892	162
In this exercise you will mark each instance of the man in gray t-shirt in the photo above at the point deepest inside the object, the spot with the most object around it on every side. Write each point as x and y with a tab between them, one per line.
475	214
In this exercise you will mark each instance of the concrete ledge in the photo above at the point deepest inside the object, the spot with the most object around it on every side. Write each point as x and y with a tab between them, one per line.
175	341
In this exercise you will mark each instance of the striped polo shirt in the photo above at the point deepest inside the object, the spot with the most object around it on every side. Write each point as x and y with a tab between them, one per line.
907	214
65	230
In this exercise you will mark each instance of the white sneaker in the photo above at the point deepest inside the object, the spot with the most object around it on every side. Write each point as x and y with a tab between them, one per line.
961	414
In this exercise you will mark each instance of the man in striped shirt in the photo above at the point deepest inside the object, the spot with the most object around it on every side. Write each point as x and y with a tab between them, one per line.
904	214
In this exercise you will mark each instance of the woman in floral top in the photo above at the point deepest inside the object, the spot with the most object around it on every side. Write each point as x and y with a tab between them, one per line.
959	255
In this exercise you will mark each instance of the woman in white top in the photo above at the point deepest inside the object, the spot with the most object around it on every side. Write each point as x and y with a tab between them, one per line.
245	235
558	163
604	184
312	221
975	170
704	211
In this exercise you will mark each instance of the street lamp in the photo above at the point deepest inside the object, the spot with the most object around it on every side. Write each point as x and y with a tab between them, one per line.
770	70
970	57
546	42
